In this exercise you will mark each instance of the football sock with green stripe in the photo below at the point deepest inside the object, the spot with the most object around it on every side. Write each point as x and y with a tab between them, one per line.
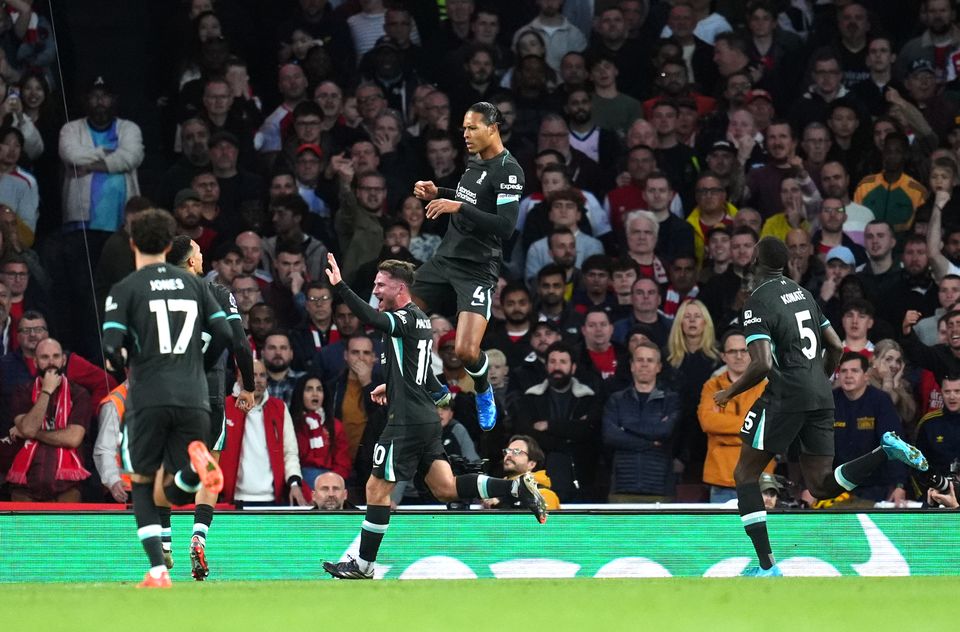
853	473
478	485
754	518
166	534
374	527
148	522
202	517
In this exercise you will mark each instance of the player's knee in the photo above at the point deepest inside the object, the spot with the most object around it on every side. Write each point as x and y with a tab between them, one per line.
141	478
446	493
745	473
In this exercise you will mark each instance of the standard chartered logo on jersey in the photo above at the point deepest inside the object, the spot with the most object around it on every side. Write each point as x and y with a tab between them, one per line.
70	547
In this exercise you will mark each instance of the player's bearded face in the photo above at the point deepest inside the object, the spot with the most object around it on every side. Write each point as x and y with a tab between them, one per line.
386	290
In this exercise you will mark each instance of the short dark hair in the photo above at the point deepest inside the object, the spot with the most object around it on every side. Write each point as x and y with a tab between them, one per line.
291	248
561	346
137	204
772	253
855	355
291	202
534	451
514	287
597	309
733	331
180	250
307	108
861	305
490	113
152	231
596	262
551	269
622	264
400	270
224	249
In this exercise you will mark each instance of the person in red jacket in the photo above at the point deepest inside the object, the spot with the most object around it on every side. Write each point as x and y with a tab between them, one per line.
260	462
320	436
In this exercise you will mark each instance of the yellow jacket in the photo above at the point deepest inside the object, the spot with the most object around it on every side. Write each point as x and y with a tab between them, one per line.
699	239
543	482
722	427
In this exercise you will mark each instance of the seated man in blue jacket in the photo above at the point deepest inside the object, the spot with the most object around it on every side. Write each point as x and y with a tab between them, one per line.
638	428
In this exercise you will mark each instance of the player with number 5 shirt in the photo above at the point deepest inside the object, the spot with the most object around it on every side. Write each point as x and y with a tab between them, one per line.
796	349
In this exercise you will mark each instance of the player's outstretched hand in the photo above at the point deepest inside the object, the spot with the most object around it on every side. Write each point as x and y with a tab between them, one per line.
425	190
245	401
379	395
436	208
333	269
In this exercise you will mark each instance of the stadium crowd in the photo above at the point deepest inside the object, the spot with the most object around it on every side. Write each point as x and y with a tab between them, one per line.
660	140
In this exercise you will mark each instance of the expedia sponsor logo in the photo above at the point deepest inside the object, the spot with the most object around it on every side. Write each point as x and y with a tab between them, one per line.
511	187
752	321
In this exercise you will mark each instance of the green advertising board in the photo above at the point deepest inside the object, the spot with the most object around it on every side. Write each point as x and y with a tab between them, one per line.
79	547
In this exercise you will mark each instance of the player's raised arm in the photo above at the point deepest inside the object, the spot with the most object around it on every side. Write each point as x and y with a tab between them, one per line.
366	314
501	223
761	362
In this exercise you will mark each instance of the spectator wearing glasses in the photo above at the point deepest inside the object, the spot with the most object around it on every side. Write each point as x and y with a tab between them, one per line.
712	210
722	424
522	455
24	295
317	330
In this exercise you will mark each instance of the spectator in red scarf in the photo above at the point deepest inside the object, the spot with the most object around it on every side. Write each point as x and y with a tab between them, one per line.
51	415
320	436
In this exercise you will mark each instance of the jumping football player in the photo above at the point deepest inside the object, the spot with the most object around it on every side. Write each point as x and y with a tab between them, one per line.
411	441
484	210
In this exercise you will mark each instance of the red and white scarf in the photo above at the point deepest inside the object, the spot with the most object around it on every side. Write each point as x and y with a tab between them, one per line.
69	465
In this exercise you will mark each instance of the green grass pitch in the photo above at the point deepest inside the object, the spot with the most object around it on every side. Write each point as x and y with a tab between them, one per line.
708	605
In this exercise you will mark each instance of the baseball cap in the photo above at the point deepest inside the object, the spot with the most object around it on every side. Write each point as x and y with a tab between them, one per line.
450	336
315	148
753	95
723	145
922	65
224	136
769	481
842	253
184	195
99	84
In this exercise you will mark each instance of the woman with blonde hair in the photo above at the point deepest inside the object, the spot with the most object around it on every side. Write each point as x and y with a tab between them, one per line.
692	352
886	373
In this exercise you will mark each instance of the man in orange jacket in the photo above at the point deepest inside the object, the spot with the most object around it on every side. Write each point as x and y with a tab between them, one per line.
722	425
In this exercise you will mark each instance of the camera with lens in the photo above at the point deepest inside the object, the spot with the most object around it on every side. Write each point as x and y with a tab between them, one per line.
941	482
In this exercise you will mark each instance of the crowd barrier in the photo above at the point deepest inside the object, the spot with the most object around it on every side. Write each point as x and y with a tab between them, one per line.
281	545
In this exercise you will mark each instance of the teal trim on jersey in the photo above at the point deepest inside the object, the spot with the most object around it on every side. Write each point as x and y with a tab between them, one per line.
366	525
754	337
125	450
842	480
112	324
393	323
388	472
216	315
398	348
825	323
234	317
773	354
221	441
758	437
489	301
